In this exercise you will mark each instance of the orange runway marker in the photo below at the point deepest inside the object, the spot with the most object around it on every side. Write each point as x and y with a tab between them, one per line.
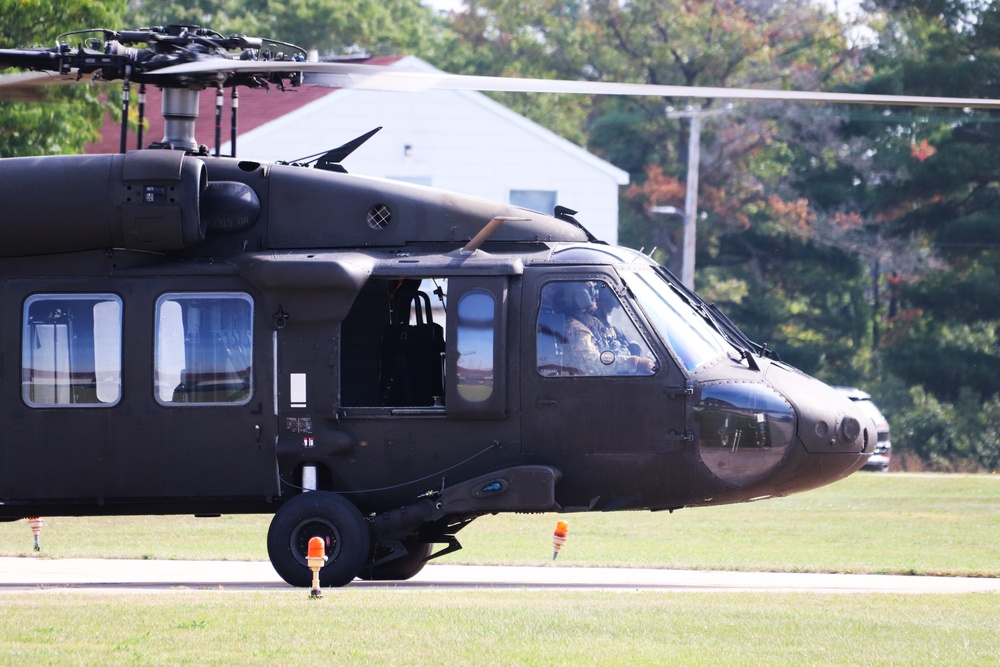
559	538
316	558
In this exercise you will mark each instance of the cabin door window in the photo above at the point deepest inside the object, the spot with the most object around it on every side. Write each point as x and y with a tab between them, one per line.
476	328
71	350
204	348
474	368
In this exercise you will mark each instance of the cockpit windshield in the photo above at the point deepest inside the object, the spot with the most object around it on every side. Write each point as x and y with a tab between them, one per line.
692	338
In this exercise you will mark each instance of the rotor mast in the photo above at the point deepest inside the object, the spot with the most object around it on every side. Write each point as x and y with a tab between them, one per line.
180	113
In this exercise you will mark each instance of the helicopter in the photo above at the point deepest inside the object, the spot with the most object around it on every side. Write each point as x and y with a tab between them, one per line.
205	334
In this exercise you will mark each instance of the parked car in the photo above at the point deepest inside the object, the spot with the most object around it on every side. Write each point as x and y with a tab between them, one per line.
879	460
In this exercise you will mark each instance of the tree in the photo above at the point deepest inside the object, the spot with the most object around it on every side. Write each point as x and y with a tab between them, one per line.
922	188
329	26
754	221
933	181
71	116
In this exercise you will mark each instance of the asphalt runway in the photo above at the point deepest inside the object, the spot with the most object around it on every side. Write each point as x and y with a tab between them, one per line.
41	574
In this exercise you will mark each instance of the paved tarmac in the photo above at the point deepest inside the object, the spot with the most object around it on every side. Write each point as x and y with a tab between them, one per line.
34	574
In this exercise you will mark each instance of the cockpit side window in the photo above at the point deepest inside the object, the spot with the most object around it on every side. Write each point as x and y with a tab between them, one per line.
582	330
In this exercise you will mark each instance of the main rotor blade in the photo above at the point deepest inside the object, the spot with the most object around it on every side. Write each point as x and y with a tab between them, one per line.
375	77
31	86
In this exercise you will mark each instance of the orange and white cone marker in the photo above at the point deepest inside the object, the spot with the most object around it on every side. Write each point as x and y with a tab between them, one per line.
559	538
36	523
316	558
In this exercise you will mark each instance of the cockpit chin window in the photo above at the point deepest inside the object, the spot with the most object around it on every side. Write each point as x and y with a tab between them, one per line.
744	430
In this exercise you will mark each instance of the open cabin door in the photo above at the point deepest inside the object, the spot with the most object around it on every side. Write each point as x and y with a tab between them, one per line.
425	412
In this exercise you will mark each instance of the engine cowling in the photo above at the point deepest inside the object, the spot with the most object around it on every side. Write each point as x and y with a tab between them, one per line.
143	200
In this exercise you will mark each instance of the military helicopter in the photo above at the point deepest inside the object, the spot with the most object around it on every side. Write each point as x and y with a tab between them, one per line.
205	334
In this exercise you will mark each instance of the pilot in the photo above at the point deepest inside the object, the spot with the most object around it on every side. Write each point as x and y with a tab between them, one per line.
614	339
587	351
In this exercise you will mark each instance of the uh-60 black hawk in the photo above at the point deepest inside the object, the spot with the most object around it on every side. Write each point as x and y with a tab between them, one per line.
204	334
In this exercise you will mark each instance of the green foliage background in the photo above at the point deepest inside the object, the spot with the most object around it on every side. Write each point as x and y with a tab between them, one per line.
73	114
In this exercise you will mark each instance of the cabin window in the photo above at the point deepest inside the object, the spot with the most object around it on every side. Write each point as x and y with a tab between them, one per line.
583	330
203	349
476	320
71	350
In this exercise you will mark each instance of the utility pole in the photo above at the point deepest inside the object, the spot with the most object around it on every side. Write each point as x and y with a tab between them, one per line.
694	114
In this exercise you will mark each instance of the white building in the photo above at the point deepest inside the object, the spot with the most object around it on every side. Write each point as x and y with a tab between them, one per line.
455	140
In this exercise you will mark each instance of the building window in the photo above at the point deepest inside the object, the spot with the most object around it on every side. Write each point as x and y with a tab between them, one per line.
71	350
204	348
543	201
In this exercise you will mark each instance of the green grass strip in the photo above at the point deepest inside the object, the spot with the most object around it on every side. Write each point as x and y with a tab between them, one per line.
496	627
868	523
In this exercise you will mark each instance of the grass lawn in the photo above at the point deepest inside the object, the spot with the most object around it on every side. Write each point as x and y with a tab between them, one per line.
941	524
869	522
389	626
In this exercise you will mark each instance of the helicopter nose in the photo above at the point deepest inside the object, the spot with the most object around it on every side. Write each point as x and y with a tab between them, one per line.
790	433
828	422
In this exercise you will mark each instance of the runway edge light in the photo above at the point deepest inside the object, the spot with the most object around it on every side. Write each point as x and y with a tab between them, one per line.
316	558
36	523
559	538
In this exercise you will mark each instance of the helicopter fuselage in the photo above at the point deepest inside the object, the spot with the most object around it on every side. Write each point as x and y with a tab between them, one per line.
211	335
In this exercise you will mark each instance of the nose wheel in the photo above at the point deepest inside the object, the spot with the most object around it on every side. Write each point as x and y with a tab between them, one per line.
344	531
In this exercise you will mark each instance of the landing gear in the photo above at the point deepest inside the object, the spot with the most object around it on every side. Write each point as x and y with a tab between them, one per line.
398	569
345	532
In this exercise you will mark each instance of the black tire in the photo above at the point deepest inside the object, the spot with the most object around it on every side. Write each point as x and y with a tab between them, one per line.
327	515
399	569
